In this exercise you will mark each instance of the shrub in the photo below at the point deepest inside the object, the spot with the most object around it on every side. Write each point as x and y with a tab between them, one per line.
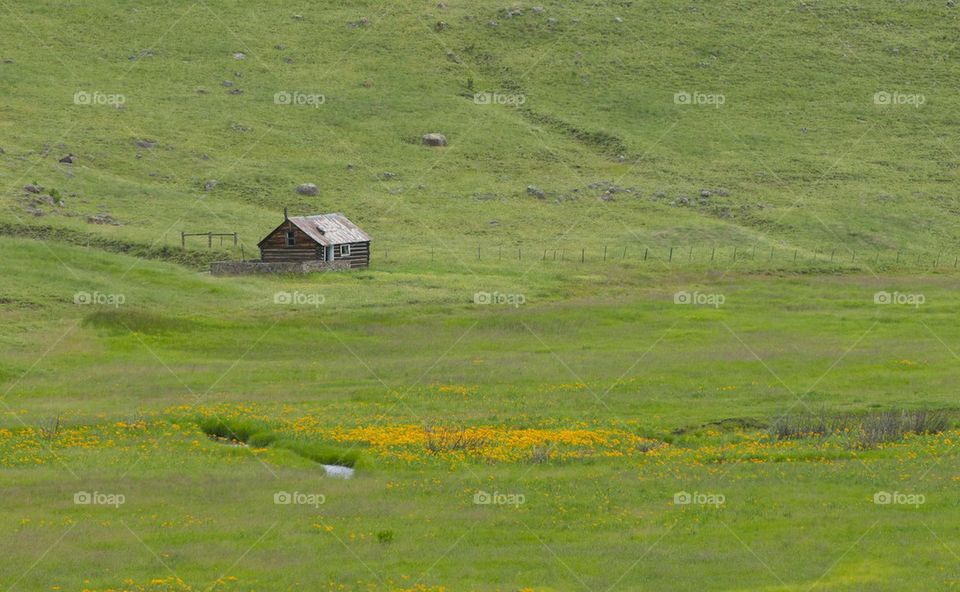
239	429
318	452
440	439
385	537
860	430
263	439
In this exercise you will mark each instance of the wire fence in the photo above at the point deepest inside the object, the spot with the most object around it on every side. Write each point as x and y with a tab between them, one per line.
699	255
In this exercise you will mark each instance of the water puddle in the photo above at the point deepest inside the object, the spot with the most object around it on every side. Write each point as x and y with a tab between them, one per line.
338	472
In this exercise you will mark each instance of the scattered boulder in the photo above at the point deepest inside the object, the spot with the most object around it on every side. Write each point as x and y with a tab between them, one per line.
367	83
434	139
2	151
442	5
951	3
606	196
440	26
308	189
705	193
364	22
239	56
617	19
387	176
31	188
297	17
7	61
228	83
235	91
492	23
102	219
68	159
453	57
210	185
536	192
146	144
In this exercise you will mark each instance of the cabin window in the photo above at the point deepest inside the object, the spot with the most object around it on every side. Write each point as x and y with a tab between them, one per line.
344	250
291	238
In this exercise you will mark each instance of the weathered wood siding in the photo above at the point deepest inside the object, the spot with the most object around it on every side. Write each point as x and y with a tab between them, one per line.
359	254
274	247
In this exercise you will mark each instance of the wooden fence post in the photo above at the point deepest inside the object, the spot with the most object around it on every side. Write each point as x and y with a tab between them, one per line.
670	257
209	240
183	239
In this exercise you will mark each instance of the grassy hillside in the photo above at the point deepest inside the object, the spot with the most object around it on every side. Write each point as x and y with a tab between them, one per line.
799	154
673	309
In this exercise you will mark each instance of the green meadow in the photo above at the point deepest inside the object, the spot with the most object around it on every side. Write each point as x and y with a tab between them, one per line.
672	309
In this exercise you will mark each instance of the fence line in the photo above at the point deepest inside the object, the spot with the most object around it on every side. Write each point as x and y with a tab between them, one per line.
717	255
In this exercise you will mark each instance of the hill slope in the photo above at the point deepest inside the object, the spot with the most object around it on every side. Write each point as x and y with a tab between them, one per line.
799	153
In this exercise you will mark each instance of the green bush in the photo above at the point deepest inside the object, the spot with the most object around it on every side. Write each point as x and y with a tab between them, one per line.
239	429
321	453
263	439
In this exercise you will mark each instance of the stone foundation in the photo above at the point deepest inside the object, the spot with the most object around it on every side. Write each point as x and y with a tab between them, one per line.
258	267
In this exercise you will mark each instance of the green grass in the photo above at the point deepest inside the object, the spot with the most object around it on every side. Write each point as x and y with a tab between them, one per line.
603	349
805	158
788	386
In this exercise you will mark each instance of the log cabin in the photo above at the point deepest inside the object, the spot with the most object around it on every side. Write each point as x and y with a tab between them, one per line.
324	237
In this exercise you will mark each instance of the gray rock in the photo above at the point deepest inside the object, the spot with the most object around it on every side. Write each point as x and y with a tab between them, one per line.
308	189
146	144
31	188
68	159
239	56
536	192
434	139
537	10
210	185
705	193
102	219
387	176
228	83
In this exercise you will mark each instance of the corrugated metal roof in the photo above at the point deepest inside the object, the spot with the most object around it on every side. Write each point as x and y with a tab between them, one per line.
330	229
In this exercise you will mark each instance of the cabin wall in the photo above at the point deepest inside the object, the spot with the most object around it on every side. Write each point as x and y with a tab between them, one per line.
274	248
359	255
